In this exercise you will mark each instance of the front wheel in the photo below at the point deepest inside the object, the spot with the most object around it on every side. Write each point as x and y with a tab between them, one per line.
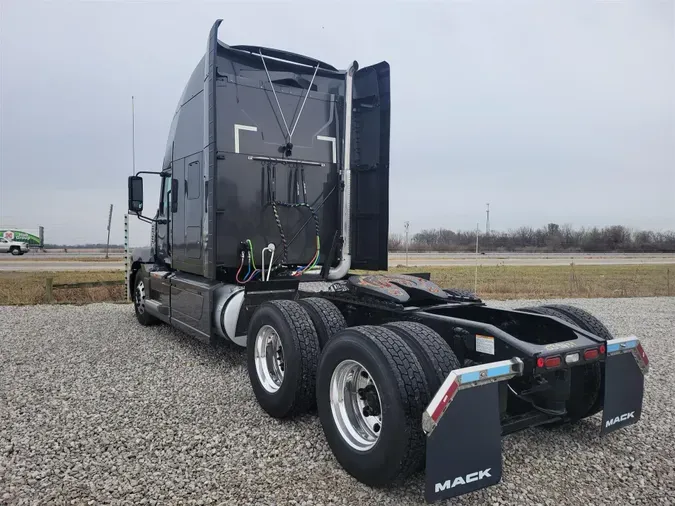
16	251
371	393
140	293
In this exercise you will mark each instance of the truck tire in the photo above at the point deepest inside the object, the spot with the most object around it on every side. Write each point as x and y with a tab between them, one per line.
325	316
595	373
15	250
435	355
142	315
587	381
543	310
371	393
583	319
282	356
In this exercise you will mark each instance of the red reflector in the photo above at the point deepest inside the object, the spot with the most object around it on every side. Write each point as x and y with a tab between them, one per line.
540	362
552	361
642	354
445	400
602	349
590	354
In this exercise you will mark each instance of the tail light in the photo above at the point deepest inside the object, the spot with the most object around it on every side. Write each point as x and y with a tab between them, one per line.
591	354
551	362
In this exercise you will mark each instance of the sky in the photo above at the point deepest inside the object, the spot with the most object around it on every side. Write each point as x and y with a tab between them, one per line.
559	111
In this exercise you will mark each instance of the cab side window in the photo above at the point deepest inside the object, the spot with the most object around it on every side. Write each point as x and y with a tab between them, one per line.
194	180
166	189
167	193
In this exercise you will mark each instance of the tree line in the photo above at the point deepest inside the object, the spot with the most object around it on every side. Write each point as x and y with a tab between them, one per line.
551	238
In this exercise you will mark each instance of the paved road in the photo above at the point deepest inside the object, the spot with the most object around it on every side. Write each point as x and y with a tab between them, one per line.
50	265
58	262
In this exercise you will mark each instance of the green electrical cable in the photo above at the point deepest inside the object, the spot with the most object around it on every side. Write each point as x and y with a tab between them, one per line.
318	251
250	245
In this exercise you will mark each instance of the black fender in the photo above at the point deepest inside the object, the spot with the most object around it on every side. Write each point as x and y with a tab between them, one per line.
137	258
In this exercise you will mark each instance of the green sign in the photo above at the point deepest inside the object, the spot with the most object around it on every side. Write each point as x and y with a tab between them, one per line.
31	237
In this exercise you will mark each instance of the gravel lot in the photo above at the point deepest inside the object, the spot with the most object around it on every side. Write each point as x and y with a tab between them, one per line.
96	409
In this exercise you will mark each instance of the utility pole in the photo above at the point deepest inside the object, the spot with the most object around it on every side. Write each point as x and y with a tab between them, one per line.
487	220
407	228
475	279
107	245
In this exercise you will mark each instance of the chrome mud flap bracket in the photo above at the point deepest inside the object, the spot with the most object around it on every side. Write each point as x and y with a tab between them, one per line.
625	368
462	425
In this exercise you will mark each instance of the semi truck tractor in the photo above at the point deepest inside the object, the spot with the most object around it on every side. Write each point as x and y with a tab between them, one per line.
270	233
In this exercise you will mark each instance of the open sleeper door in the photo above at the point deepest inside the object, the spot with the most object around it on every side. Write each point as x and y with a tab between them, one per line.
370	168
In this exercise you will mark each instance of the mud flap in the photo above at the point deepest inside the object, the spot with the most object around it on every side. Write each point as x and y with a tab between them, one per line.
625	367
464	448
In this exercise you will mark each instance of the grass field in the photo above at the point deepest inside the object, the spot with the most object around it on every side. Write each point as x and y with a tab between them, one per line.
517	282
499	282
29	287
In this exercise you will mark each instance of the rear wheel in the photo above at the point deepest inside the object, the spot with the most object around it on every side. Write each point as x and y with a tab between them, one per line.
594	374
586	381
325	316
371	393
584	319
434	354
282	356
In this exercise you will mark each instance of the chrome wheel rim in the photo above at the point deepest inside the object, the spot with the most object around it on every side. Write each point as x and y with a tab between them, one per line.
140	297
269	358
355	404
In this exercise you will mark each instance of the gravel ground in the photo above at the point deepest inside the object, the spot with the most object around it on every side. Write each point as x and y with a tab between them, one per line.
95	409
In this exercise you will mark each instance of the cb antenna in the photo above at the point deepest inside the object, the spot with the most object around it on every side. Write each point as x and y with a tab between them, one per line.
133	138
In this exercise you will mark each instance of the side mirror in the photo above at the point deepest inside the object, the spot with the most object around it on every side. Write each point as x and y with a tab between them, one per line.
174	195
135	194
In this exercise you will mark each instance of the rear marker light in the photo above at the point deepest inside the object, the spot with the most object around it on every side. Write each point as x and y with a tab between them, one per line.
572	358
602	349
552	362
590	354
540	362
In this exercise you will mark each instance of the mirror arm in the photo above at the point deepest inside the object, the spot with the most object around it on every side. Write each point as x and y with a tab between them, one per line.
163	174
145	218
